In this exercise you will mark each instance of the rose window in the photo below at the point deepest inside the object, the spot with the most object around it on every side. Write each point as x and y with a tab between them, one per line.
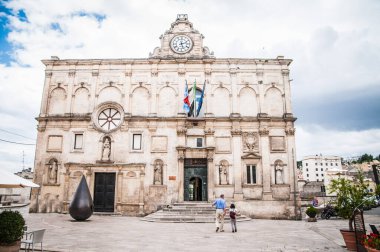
109	119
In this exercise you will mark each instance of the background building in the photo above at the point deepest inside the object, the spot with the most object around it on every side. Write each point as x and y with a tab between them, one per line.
314	167
121	124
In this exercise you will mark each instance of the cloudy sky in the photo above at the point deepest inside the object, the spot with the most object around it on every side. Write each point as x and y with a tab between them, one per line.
335	45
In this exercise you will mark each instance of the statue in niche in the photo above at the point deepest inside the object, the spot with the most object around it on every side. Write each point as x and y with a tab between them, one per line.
223	173
157	178
53	172
278	169
106	149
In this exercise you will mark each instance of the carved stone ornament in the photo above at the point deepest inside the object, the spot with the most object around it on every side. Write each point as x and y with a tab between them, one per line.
290	131
235	132
181	131
209	131
250	142
264	131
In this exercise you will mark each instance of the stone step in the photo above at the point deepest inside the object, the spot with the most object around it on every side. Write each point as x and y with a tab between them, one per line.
192	212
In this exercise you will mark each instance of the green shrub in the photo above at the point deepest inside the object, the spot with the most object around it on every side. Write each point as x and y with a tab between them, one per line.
11	226
311	211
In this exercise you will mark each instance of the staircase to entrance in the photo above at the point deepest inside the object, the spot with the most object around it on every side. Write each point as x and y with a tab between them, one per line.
194	212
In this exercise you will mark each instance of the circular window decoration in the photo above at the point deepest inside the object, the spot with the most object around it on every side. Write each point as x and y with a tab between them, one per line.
109	119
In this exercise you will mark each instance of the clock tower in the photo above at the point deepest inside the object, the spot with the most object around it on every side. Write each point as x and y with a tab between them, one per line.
181	41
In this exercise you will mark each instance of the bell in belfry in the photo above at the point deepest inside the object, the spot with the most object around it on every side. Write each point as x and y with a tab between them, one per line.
81	206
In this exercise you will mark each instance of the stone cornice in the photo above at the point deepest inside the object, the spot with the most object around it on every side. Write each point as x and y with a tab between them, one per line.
165	60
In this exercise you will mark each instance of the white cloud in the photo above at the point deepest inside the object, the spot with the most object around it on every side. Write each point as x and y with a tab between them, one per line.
314	139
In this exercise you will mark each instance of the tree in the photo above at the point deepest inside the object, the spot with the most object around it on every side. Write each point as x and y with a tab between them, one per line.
350	195
365	158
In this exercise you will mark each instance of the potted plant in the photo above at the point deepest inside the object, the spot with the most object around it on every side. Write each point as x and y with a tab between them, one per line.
372	242
311	211
11	230
350	195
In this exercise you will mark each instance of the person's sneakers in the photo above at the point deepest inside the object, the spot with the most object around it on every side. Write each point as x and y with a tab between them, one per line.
221	230
217	229
233	231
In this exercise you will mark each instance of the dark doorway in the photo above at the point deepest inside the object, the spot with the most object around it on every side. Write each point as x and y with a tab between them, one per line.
104	192
195	179
195	189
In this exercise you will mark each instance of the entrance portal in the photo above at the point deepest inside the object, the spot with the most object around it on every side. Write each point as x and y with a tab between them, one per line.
195	180
104	192
195	189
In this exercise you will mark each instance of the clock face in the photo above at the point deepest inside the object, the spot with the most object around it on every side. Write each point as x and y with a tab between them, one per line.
109	119
181	44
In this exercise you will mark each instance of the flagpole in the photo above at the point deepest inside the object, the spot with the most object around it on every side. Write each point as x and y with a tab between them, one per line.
195	98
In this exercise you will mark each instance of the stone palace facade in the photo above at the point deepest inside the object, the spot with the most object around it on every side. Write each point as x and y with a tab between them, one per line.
121	124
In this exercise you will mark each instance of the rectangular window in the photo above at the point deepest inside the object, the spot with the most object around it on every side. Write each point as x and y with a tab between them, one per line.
331	164
321	169
323	188
327	164
136	145
199	142
317	180
317	174
307	169
336	164
316	169
322	175
307	164
78	141
307	175
321	163
251	174
316	164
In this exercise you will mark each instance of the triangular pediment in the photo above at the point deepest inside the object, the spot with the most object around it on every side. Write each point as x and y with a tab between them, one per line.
251	155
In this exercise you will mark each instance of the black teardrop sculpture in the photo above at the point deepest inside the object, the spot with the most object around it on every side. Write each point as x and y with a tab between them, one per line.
82	206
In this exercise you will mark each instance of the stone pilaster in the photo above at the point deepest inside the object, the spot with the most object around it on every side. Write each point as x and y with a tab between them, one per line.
141	195
285	79
210	173
44	102
237	169
181	169
70	88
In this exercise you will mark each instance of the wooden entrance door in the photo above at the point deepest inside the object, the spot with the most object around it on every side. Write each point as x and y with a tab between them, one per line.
104	192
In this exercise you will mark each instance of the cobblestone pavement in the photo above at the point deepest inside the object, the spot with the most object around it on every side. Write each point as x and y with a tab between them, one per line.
119	233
